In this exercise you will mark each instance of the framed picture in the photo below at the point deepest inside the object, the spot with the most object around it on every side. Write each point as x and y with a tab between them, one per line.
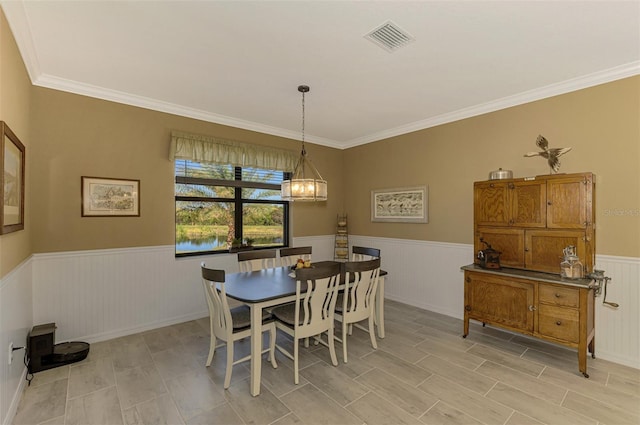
106	197
12	188
403	205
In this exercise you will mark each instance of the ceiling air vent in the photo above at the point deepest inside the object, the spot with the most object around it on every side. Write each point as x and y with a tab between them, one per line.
389	36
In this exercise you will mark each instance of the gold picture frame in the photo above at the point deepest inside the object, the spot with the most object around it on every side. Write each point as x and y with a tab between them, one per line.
107	197
12	161
400	205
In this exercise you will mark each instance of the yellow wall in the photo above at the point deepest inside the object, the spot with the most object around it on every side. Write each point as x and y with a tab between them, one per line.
76	136
601	124
14	110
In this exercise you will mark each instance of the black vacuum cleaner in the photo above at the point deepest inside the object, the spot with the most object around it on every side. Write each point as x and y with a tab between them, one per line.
43	354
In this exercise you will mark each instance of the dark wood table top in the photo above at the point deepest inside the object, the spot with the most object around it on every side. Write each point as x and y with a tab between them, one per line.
264	285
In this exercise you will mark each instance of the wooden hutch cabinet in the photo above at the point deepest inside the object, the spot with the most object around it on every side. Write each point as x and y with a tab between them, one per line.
530	222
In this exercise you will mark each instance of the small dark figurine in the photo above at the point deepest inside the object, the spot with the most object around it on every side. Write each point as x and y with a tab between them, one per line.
550	154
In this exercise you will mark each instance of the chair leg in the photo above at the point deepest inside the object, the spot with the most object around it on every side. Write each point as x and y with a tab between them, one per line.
344	342
372	332
227	375
212	349
295	361
272	346
332	346
350	329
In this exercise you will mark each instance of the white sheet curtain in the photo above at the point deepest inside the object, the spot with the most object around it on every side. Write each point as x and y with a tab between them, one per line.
201	148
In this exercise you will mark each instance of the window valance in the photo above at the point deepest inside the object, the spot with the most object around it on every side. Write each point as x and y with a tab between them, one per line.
201	148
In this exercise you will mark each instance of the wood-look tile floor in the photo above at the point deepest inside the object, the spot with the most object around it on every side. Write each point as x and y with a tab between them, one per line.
423	372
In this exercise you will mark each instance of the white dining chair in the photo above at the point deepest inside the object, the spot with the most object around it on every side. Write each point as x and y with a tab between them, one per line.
289	256
313	311
361	253
230	325
357	302
249	261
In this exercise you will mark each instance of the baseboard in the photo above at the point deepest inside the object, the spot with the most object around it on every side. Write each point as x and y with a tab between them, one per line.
105	336
15	400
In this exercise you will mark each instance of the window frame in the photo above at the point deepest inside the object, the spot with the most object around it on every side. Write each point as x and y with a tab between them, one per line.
237	184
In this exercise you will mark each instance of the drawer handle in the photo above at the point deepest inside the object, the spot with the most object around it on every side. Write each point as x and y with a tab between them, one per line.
558	295
558	323
532	308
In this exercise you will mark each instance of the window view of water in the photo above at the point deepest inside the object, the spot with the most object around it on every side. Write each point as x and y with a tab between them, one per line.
219	243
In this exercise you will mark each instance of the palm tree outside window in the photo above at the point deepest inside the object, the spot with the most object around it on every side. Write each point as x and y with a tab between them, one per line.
218	207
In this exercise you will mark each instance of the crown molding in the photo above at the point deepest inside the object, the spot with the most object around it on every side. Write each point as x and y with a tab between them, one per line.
586	81
597	78
16	15
62	84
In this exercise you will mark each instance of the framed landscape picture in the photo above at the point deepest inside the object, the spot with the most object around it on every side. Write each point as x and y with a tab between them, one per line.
12	161
106	197
403	205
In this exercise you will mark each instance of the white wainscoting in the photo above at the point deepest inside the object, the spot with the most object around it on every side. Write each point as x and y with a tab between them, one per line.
618	329
98	295
422	274
16	317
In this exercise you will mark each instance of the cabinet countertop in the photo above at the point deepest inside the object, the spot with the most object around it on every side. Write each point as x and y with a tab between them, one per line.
533	275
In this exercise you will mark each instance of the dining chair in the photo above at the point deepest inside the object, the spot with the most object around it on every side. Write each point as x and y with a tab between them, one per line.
230	325
249	261
361	253
313	311
289	256
357	302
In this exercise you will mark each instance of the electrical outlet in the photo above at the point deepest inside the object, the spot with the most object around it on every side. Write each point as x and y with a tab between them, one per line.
10	352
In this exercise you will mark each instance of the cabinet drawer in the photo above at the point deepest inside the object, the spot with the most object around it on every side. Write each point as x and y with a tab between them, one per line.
558	295
559	322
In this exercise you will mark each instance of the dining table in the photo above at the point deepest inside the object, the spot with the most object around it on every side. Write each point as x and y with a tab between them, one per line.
274	286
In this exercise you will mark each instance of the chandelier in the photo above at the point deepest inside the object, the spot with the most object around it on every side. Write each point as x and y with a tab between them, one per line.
306	183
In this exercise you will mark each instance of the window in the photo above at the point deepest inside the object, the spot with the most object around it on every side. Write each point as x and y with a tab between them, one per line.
220	206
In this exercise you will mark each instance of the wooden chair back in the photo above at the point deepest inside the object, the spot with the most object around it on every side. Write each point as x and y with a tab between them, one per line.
219	311
316	304
361	253
289	256
249	261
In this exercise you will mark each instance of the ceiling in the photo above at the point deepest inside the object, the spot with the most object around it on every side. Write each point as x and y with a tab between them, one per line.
239	63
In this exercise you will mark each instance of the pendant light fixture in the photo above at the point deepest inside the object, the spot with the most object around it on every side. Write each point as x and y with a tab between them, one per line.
306	183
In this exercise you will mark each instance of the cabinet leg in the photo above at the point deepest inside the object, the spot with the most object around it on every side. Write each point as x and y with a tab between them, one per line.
465	331
484	324
592	347
582	360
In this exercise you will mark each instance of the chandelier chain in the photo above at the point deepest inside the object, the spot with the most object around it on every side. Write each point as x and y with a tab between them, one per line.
303	149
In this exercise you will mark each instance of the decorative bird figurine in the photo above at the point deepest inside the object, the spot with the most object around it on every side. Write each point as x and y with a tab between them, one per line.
551	154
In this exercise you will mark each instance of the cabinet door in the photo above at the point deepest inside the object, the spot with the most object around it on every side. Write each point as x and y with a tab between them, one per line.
544	248
510	243
507	302
491	204
567	202
528	203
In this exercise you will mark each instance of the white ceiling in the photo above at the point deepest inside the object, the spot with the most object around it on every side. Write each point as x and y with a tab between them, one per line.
239	62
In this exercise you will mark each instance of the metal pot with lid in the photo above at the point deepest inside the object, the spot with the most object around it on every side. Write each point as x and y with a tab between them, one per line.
500	174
